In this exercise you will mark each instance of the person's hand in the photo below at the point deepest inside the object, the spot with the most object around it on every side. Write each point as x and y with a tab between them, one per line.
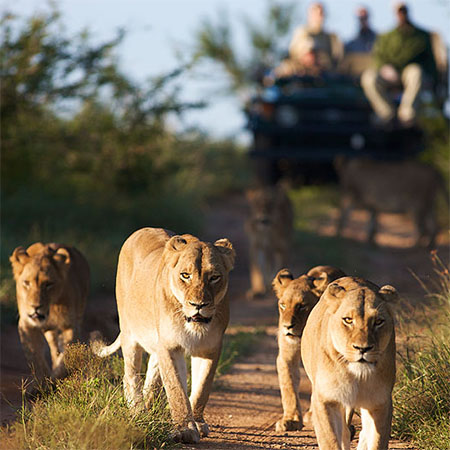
389	73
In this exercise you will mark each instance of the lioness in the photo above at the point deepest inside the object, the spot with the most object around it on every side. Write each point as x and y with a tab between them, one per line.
394	187
348	351
296	298
171	298
269	230
52	284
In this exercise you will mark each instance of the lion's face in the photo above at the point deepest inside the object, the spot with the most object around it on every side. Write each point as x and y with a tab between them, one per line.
296	299
39	281
361	325
198	276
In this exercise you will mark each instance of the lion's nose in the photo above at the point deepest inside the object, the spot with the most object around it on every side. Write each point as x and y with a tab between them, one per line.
199	306
363	349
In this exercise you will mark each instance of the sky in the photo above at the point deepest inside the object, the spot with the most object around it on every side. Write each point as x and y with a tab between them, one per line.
158	29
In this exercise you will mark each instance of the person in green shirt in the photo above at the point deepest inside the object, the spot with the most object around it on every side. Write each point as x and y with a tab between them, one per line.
403	57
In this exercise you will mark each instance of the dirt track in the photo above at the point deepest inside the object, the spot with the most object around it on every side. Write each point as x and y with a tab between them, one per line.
244	407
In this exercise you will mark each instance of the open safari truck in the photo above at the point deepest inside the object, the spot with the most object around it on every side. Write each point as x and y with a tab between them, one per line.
301	123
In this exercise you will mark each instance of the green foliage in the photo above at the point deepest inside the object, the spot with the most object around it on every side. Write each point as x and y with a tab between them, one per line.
87	157
87	410
422	393
265	41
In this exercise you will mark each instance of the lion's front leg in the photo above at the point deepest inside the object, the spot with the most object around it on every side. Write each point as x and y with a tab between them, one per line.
376	428
171	363
289	378
33	343
329	425
203	370
56	352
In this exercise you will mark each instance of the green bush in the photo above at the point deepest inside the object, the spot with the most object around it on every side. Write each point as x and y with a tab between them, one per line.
422	393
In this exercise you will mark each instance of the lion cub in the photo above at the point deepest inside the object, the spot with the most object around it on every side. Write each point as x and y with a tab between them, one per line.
171	297
269	230
297	297
52	284
348	351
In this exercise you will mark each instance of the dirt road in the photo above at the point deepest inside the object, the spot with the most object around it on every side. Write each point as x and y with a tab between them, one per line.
245	404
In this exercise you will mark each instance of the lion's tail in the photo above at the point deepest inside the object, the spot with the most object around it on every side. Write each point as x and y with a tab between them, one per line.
102	350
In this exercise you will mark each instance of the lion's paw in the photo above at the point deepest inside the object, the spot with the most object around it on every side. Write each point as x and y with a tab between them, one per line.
202	428
288	425
307	418
186	435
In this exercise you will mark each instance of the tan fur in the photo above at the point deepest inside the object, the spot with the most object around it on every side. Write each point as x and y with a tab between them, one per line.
52	284
348	351
269	230
408	187
296	298
160	313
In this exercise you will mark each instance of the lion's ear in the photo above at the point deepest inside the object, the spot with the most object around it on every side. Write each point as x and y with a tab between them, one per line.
225	248
281	281
176	243
335	290
62	256
388	293
320	283
18	260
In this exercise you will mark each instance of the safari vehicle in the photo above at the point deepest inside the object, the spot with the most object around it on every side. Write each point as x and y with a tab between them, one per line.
301	123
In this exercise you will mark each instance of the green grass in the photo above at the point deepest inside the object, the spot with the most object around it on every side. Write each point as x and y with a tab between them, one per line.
87	409
422	392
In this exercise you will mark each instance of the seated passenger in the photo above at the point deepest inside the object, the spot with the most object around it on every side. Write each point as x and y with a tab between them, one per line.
307	62
404	57
327	45
364	40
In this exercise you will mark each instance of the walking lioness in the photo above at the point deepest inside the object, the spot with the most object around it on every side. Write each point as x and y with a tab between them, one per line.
296	298
171	298
269	230
348	351
52	284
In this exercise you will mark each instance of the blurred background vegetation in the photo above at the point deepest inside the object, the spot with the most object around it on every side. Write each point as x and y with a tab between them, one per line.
89	156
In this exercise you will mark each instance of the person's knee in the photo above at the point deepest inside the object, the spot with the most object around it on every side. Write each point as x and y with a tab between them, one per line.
412	72
369	77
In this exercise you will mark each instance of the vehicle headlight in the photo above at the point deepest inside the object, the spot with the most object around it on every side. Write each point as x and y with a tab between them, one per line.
287	116
357	141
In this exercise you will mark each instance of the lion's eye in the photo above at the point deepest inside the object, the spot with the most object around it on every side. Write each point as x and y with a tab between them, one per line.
214	278
301	307
48	286
282	306
379	322
185	276
347	320
26	284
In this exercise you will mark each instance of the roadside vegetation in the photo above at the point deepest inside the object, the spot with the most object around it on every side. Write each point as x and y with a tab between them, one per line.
89	155
422	392
87	409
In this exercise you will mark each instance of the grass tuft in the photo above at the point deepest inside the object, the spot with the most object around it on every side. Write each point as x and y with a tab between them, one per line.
87	410
422	393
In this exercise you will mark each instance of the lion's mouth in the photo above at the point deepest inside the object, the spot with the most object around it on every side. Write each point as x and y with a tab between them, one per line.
363	360
198	318
37	316
292	335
